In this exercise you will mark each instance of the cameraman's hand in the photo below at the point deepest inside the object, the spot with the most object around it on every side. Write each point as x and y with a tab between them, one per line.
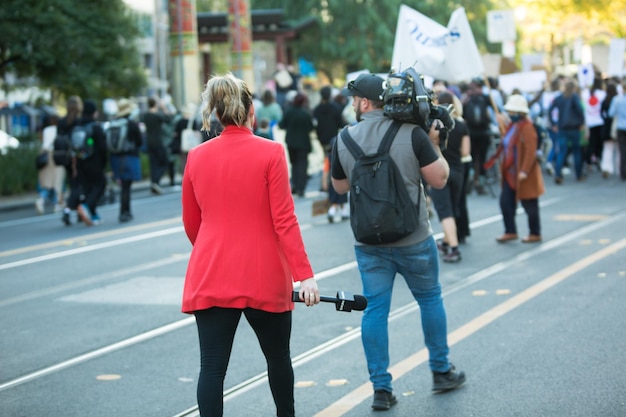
433	133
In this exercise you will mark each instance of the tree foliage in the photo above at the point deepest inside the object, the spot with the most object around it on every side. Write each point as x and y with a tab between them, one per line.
71	46
359	34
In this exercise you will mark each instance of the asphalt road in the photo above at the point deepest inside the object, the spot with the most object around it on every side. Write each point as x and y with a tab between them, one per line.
90	321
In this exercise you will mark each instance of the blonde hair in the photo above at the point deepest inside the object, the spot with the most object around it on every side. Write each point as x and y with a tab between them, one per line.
446	98
74	108
231	99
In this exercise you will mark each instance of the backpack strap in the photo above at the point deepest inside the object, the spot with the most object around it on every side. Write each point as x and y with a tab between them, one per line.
354	149
384	146
390	135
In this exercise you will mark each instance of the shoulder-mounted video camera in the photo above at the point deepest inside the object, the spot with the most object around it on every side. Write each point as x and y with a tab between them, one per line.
406	99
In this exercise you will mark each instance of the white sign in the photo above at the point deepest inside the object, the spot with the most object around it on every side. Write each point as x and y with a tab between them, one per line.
616	57
446	53
586	75
508	49
501	26
526	82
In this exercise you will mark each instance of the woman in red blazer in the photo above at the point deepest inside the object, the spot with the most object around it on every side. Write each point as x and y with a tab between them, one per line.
238	213
520	172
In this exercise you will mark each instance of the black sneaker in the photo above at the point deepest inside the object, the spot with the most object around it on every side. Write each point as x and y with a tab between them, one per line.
125	217
452	255
448	380
442	247
383	400
66	218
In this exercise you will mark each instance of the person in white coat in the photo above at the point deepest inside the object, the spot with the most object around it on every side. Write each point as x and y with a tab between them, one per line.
51	177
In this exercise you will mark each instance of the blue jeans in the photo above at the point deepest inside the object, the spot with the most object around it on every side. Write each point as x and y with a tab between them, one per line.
569	139
419	265
554	137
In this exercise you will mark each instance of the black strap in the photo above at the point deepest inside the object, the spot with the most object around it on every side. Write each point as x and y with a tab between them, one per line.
384	146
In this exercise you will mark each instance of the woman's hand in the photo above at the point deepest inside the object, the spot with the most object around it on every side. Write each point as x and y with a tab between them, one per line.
503	121
309	292
522	175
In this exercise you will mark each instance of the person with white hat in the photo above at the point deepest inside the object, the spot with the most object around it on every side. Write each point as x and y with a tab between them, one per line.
520	172
125	164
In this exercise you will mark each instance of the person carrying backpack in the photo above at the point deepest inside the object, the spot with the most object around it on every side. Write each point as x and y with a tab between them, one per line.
63	155
125	162
417	157
478	119
90	159
568	124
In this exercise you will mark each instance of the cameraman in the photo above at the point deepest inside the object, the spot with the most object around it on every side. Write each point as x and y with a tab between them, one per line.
415	257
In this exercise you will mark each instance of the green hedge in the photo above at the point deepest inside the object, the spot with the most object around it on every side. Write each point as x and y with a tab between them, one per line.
18	174
17	170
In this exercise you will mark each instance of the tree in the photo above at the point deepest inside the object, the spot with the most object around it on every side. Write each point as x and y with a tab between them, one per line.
71	46
604	15
359	34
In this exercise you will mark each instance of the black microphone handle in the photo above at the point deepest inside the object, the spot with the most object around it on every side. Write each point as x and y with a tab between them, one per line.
296	298
360	302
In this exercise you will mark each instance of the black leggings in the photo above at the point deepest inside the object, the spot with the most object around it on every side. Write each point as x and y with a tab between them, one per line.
125	196
216	331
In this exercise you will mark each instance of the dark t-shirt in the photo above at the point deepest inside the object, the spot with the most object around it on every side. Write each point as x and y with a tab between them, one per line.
154	128
452	153
329	121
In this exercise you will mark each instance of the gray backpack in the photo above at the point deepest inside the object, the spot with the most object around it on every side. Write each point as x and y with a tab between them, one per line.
117	137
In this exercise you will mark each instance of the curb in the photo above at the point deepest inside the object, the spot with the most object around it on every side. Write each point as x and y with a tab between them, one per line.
27	200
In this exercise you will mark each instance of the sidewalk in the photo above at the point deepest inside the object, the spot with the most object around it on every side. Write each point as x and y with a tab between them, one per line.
27	200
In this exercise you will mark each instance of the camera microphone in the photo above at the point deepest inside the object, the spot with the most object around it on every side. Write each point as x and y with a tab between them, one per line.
344	301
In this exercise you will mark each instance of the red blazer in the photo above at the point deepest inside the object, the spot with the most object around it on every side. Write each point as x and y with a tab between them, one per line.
238	213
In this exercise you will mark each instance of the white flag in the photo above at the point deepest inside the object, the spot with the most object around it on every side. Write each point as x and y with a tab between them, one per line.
443	53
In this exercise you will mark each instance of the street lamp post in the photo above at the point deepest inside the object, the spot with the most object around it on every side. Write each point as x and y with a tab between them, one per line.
186	85
241	40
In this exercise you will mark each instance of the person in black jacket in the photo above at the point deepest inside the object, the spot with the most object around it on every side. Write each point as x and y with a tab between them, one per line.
90	166
62	153
298	124
477	113
154	119
328	121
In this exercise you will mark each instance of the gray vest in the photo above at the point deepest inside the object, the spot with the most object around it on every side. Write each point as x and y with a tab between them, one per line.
368	133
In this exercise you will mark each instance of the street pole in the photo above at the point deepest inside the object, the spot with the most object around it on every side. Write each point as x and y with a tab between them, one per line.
186	84
240	24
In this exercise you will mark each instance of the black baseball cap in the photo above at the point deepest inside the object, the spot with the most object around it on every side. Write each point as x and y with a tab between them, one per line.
368	86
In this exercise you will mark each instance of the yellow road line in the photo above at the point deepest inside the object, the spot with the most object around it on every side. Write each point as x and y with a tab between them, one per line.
363	392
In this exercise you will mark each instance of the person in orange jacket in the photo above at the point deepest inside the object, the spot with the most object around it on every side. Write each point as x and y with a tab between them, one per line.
520	172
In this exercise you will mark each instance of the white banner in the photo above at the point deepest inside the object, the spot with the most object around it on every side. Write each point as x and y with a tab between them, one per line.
443	53
616	57
526	82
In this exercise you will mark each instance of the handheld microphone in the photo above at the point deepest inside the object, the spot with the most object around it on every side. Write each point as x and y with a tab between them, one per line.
344	301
